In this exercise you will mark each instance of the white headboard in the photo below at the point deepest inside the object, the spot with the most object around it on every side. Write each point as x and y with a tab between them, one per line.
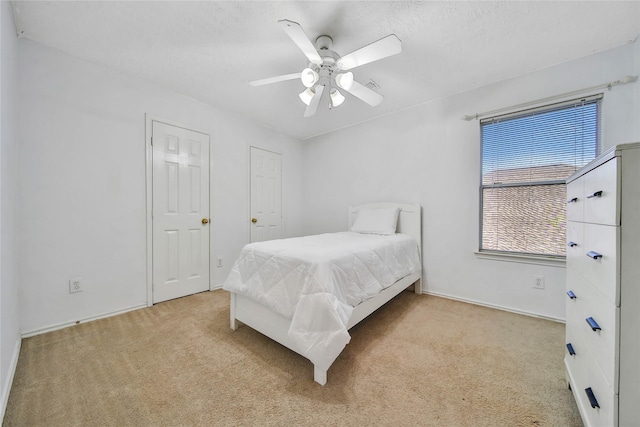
409	220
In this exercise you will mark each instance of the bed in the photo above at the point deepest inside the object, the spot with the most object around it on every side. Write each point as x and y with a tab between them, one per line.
307	292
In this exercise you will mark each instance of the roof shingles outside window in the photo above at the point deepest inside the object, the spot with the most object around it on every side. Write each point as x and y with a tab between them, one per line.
527	218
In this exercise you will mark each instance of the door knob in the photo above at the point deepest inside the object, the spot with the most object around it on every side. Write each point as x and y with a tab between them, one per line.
254	220
205	220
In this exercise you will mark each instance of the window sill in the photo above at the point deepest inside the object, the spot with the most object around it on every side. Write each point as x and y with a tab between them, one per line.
522	259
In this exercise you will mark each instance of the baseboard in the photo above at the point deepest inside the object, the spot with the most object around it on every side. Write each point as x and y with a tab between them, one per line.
6	387
497	307
85	320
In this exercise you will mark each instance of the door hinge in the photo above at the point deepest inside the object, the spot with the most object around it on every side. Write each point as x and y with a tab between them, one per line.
152	141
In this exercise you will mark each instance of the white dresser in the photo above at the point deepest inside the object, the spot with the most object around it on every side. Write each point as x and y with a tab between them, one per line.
603	288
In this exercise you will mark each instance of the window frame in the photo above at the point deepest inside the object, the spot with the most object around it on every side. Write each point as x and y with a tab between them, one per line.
526	257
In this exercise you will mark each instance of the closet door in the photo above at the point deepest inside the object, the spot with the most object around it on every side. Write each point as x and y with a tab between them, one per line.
180	212
266	195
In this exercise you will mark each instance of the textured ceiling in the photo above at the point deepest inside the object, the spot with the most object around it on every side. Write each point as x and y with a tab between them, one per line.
210	50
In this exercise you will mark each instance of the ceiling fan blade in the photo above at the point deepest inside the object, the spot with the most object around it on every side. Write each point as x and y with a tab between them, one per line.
387	46
297	34
275	79
365	94
315	101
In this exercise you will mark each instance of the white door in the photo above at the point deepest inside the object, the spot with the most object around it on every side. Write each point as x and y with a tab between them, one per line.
180	214
266	195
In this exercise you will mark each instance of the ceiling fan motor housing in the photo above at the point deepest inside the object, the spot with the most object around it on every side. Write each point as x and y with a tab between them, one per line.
324	42
328	66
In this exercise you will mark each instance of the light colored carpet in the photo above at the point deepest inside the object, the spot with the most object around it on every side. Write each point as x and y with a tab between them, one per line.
419	360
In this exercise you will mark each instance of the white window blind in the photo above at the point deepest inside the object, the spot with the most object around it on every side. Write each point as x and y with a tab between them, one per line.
526	157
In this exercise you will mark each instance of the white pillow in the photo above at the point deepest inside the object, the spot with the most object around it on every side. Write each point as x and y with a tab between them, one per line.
376	221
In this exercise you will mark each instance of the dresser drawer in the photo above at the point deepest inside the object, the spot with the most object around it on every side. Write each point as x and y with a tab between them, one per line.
576	363
575	327
583	373
603	271
575	245
607	412
601	204
575	200
601	344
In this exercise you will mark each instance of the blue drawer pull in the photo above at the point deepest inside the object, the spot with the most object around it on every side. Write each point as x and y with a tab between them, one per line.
592	398
572	244
596	194
571	295
594	255
570	348
575	199
594	325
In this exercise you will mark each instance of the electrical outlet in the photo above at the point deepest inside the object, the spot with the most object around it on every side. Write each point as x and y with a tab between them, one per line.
219	264
75	285
538	282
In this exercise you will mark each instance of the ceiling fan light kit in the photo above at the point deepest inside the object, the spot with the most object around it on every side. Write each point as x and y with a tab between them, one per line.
306	95
326	68
345	80
336	98
309	77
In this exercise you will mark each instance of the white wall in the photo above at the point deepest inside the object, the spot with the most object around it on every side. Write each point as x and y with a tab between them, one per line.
9	318
82	183
428	155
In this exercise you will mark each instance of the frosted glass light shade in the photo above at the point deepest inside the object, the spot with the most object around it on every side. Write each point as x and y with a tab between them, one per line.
309	77
336	98
306	96
345	80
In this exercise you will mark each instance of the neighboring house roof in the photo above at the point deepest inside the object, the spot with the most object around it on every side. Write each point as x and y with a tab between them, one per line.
528	218
529	174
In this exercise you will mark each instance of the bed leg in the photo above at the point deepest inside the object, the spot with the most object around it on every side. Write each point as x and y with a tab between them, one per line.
319	375
232	319
418	286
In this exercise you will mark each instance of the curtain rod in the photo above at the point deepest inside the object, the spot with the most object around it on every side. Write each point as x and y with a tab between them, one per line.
623	81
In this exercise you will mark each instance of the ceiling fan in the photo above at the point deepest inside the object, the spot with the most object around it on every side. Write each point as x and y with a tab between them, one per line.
329	71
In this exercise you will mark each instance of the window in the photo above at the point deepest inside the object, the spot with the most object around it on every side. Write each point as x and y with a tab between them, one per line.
526	157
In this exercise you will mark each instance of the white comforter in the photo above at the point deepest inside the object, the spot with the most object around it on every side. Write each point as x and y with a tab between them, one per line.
317	280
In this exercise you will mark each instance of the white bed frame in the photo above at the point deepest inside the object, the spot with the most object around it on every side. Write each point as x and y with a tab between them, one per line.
275	326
